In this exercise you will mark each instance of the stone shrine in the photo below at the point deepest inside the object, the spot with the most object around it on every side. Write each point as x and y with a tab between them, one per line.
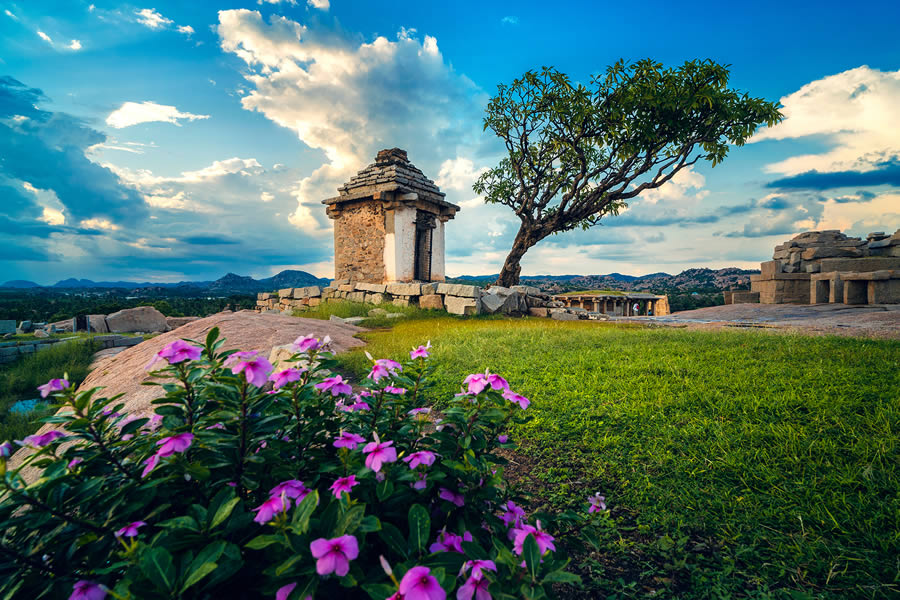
389	223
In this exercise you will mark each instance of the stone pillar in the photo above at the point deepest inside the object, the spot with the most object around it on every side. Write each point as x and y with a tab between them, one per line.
437	250
400	243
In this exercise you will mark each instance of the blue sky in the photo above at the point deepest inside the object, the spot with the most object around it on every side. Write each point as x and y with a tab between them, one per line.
166	141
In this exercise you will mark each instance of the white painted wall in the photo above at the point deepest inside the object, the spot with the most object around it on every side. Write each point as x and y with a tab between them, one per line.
437	251
400	244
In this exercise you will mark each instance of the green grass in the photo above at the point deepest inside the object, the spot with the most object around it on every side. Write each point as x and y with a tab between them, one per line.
19	381
599	292
736	463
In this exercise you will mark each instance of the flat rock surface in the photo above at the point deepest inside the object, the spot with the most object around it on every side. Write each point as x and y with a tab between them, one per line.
123	373
876	321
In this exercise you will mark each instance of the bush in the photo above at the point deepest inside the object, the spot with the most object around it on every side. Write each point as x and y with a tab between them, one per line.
248	483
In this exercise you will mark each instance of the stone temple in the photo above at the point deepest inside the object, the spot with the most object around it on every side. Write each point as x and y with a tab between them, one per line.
389	223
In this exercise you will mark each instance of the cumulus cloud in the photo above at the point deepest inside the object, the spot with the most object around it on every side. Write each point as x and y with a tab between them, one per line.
45	37
856	112
350	99
132	113
778	214
75	45
320	4
186	30
149	17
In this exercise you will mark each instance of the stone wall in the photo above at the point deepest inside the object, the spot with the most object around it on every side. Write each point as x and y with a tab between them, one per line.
359	234
11	351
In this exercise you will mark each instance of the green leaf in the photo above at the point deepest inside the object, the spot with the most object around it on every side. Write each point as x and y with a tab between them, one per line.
419	527
532	555
350	520
286	565
158	566
262	541
224	512
378	591
198	573
562	577
369	524
391	536
302	513
384	490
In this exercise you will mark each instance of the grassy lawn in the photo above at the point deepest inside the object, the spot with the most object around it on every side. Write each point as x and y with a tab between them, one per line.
19	381
345	309
735	463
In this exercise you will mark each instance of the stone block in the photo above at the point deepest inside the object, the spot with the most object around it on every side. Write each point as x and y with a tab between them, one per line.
404	289
7	326
535	301
791	276
142	318
499	290
286	293
870	263
25	327
97	323
429	289
376	298
830	252
265	295
404	301
563	316
356	296
812	267
526	289
124	342
315	301
460	305
458	289
884	291
431	301
492	303
354	320
756	278
535	311
327	293
347	287
769	268
377	288
743	297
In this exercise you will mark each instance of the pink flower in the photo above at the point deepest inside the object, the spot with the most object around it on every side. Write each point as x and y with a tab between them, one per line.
87	590
130	530
420	352
285	591
378	454
450	542
358	406
394	390
307	343
503	438
422	457
476	382
477	566
39	441
348	440
334	555
419	411
391	365
217	426
378	372
256	369
515	398
476	587
175	352
420	483
544	540
336	384
598	503
292	488
418	584
155	422
6	450
266	511
173	444
513	514
497	382
344	484
151	464
454	497
282	378
54	385
74	463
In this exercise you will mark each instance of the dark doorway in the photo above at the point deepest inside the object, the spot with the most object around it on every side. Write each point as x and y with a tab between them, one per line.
424	227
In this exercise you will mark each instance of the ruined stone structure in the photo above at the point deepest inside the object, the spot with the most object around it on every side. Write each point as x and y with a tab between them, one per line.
818	267
618	305
389	224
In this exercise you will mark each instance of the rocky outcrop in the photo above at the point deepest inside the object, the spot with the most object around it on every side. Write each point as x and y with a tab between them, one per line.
145	319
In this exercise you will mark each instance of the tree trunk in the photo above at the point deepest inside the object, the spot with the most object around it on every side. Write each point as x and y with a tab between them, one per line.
509	274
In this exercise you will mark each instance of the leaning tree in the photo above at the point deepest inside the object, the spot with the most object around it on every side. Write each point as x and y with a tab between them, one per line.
577	153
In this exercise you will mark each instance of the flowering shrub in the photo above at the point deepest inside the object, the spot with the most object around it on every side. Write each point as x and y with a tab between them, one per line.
255	481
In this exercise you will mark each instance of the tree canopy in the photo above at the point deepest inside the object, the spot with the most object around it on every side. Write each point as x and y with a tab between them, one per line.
577	153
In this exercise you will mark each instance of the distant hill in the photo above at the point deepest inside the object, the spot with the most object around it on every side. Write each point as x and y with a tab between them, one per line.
20	283
229	284
689	280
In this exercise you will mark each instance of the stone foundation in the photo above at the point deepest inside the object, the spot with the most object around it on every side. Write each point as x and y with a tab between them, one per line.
359	242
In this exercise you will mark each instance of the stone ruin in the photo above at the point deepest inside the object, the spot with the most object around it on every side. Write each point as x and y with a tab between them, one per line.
819	267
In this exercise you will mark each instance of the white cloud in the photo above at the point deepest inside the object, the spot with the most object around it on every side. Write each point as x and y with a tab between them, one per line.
242	166
152	19
676	188
510	20
75	45
855	110
350	99
51	216
132	113
458	174
45	37
291	2
267	197
91	8
99	224
10	15
186	30
320	4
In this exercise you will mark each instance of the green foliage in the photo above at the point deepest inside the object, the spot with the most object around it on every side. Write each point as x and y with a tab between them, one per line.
736	463
577	153
346	309
19	381
223	446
